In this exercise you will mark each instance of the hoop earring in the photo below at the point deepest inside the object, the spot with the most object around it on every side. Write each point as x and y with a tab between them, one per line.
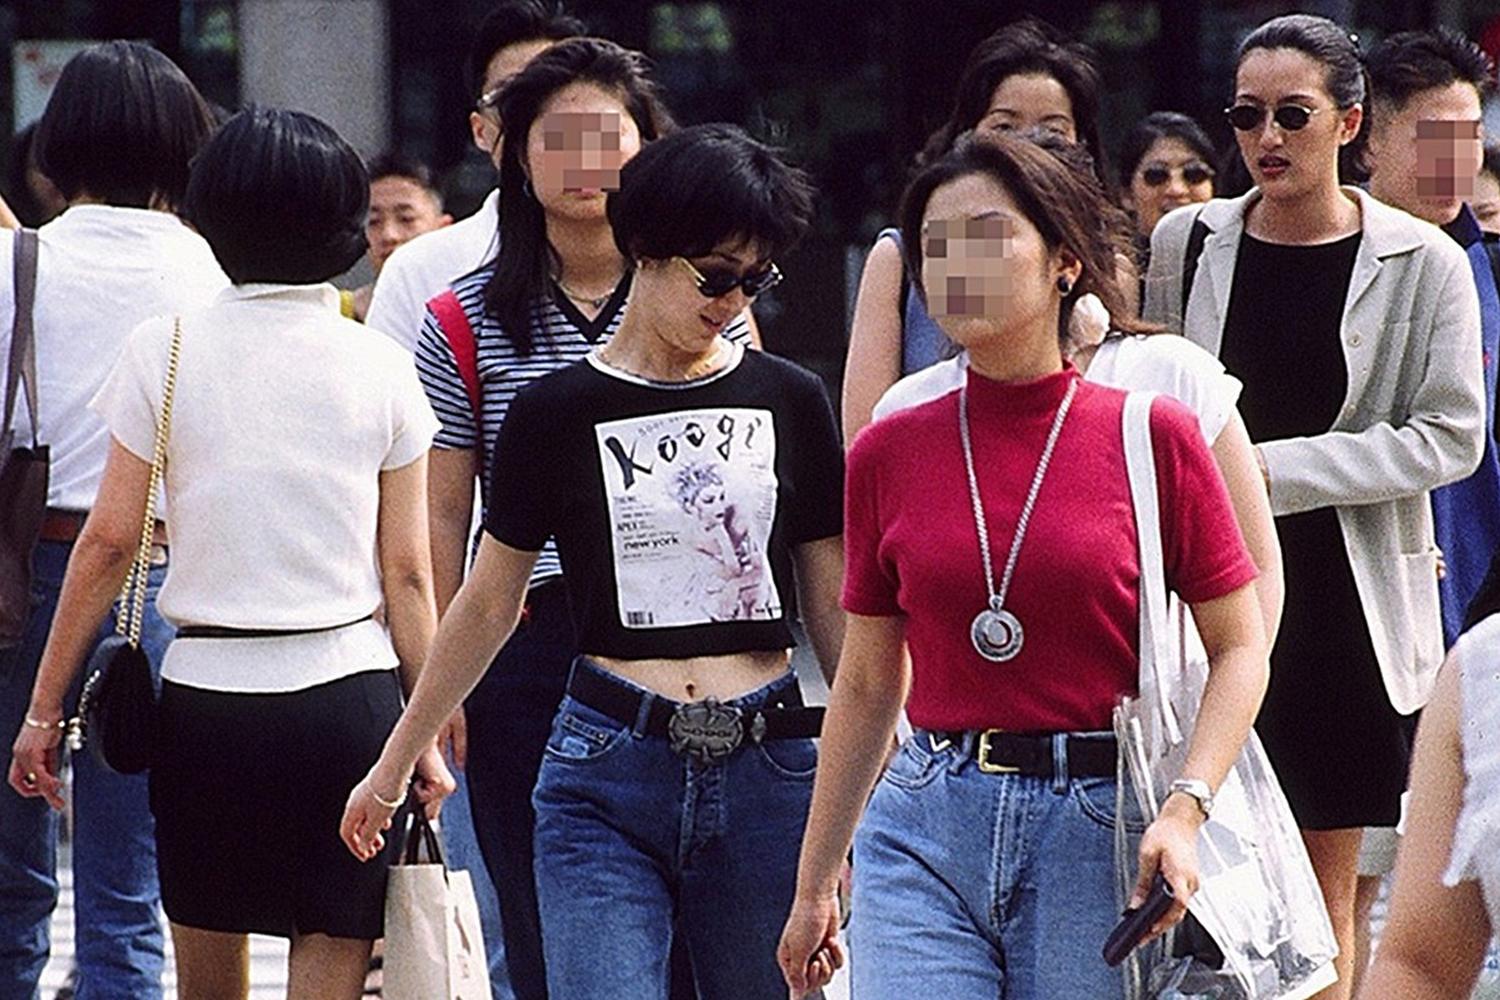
1063	284
527	189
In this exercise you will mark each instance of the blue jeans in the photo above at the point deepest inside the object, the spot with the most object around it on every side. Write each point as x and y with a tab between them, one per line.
462	847
118	922
969	884
509	714
631	837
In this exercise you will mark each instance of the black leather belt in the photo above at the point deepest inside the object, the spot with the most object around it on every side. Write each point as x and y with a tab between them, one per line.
707	729
224	632
999	752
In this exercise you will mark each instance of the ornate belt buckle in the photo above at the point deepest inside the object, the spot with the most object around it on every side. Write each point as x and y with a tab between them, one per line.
706	730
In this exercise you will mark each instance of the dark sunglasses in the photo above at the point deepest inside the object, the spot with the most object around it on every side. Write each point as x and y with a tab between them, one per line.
1288	117
1193	173
717	282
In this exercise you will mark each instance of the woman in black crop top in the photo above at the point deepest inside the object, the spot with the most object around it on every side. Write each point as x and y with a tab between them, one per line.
695	491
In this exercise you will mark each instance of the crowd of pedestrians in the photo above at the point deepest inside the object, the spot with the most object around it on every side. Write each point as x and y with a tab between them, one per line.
521	536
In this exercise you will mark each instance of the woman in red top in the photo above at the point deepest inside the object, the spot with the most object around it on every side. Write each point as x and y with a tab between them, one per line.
984	862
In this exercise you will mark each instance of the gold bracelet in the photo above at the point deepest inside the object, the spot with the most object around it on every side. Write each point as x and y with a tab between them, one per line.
385	802
38	724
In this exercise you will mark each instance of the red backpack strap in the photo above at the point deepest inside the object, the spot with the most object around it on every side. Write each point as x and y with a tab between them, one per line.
454	323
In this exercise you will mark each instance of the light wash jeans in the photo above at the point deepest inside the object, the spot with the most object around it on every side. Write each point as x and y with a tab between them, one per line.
969	884
117	917
631	837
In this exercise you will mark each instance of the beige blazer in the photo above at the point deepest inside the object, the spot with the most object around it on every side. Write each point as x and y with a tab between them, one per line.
1412	420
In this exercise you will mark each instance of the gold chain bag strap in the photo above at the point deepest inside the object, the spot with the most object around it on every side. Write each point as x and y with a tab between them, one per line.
117	710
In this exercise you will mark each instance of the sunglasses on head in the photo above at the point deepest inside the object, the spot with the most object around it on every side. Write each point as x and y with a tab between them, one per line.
717	282
1288	117
1193	173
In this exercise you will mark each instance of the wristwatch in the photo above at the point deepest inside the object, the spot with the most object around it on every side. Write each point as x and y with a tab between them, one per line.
1197	789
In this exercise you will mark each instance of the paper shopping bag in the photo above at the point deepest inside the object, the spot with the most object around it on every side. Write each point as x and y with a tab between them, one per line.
434	949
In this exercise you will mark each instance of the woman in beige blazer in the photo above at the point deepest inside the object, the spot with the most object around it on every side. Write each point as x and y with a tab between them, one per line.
1355	330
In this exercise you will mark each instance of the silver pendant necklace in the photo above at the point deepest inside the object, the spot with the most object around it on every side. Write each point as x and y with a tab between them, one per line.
997	634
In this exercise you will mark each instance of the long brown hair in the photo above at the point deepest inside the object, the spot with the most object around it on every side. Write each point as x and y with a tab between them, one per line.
1068	207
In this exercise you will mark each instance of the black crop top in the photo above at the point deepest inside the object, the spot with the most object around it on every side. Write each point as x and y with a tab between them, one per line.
676	506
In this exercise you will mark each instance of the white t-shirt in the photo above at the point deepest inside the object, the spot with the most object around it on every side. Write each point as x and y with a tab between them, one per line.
1476	838
425	266
100	271
1170	365
285	415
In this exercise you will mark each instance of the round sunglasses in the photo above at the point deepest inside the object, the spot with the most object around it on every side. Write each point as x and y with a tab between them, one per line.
718	282
1158	174
1288	117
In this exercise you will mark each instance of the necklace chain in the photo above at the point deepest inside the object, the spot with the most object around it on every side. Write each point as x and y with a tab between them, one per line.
997	597
594	300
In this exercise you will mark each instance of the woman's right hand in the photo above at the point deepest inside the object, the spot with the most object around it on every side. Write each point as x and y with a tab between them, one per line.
368	813
810	953
35	763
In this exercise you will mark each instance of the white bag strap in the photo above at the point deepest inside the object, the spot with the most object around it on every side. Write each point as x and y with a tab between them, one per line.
1155	637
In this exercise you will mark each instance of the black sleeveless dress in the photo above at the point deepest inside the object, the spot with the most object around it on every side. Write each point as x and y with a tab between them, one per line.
1339	748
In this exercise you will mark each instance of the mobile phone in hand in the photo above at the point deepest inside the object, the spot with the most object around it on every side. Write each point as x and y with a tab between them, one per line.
1137	923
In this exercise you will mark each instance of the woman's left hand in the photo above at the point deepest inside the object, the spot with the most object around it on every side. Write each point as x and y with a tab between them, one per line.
1170	845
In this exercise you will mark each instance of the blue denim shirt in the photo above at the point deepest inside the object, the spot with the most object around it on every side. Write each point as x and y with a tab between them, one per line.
1466	514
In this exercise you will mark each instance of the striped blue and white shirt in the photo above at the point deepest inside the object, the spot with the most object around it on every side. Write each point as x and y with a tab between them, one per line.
560	336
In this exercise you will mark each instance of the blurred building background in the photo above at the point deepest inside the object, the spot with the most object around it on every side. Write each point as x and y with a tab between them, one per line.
850	88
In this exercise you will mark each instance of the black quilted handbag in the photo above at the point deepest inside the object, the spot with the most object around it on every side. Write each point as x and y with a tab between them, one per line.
117	712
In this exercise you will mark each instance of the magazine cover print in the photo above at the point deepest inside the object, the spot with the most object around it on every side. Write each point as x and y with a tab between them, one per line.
692	498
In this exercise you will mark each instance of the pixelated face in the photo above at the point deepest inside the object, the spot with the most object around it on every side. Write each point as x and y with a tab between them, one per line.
400	209
1030	100
1424	156
1285	162
577	146
1169	176
985	266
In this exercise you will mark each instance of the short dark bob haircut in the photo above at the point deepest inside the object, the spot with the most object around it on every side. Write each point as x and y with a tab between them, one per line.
281	198
1068	206
1163	125
122	125
1028	46
699	187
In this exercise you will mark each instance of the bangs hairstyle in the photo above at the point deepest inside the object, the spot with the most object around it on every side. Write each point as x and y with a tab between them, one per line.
1322	40
1027	46
525	264
280	197
510	24
122	125
1058	195
703	186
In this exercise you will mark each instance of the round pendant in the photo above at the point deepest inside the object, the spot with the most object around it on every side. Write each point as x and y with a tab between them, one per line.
997	634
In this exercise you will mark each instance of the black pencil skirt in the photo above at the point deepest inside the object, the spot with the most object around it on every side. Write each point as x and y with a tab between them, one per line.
248	792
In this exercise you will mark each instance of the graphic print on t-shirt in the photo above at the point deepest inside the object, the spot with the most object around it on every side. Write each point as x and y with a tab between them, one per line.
692	497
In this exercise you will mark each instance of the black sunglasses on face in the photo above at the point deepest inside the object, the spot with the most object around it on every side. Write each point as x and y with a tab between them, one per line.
716	283
1288	117
1193	173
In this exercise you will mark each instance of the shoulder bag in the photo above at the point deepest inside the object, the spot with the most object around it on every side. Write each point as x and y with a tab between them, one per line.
23	470
117	710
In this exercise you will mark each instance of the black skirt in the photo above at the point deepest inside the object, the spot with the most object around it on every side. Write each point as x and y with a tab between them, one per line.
248	793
